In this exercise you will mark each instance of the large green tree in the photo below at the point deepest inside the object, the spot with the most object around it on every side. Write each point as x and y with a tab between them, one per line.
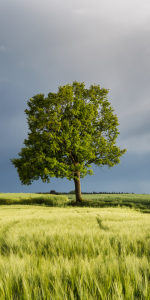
69	130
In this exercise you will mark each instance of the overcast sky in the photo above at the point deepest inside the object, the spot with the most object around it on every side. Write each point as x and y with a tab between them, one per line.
44	44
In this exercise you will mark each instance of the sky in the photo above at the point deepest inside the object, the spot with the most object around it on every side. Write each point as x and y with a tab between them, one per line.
50	43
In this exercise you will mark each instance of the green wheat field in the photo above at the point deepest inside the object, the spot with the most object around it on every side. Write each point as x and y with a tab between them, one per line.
51	249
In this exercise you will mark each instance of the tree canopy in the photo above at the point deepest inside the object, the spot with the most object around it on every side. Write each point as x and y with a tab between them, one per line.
69	130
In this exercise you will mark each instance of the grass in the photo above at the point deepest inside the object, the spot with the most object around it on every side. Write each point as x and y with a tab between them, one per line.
30	199
74	252
139	202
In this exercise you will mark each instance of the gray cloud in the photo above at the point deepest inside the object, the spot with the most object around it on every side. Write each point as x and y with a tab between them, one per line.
51	43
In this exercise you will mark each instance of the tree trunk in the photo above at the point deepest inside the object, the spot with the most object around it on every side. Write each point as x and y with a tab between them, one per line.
77	187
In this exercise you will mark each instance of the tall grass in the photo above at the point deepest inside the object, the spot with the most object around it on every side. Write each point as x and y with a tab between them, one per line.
74	253
29	199
139	202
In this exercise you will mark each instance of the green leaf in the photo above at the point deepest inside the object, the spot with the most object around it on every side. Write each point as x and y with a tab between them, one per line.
69	130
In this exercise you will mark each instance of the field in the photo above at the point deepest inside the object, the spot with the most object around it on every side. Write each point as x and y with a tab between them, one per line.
138	202
68	252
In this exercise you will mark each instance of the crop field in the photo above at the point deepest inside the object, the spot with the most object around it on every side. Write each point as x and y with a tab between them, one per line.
72	252
139	202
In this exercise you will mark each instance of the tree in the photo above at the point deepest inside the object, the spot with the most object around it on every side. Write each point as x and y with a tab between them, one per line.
70	130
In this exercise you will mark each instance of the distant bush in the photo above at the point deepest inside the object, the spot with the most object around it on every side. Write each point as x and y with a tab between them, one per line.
72	192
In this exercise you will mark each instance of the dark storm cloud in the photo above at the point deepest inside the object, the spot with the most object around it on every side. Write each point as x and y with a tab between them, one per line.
45	44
